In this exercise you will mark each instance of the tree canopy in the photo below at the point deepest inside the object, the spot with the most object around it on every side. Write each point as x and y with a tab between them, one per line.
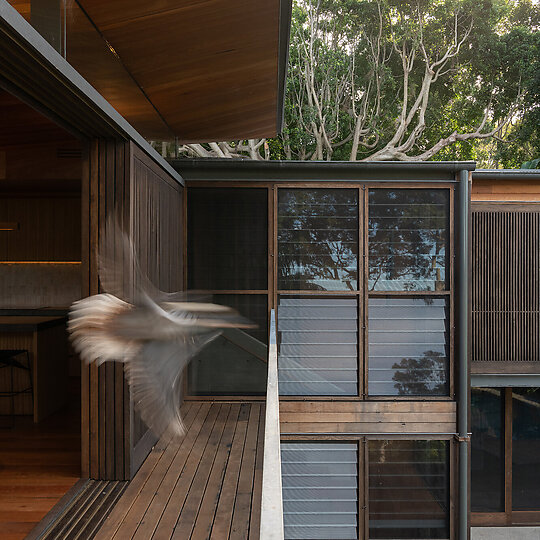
395	80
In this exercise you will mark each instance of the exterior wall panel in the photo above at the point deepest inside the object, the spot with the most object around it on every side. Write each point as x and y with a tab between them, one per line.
119	179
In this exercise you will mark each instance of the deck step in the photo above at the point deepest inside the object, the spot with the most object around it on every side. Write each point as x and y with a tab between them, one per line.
80	513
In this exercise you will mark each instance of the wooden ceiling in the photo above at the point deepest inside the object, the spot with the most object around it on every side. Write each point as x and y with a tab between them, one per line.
200	70
35	153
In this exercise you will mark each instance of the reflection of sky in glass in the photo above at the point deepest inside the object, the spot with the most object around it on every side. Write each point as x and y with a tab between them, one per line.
408	236
318	351
318	239
408	346
320	490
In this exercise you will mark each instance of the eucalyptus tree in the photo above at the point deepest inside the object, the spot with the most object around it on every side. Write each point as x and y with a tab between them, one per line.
395	80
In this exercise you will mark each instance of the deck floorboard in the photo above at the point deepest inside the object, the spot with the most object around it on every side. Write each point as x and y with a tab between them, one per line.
205	485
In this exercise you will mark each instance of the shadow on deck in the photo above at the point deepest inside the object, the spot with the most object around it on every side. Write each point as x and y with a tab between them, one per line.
205	485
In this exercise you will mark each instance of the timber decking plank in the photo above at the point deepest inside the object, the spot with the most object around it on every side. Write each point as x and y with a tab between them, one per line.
187	469
244	491
255	519
93	521
136	513
113	522
224	512
167	475
186	520
207	485
207	510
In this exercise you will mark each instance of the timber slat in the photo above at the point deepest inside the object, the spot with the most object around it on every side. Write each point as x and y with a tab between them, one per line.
224	511
150	504
85	513
186	520
210	500
206	485
366	406
367	427
347	417
118	515
242	505
188	470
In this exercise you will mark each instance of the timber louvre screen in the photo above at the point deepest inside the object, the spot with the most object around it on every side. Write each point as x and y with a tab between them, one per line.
506	283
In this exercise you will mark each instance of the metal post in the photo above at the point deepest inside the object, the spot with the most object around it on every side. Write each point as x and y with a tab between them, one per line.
463	390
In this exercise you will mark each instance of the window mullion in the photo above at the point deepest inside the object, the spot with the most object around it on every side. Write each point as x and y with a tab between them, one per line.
508	454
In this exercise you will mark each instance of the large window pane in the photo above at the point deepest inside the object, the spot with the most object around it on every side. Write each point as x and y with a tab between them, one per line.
408	346
526	448
320	490
487	450
318	350
318	239
408	489
230	366
227	238
408	239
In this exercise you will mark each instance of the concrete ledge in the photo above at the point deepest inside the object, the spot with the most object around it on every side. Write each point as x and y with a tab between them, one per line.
505	533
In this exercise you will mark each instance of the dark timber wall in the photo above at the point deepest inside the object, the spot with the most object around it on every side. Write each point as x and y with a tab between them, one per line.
118	177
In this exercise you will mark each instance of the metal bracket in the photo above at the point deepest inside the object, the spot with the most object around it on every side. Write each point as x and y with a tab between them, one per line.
466	439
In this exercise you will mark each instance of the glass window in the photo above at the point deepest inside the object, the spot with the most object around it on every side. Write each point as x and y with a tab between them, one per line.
318	239
320	490
408	239
230	366
408	346
487	450
227	238
526	448
408	489
318	346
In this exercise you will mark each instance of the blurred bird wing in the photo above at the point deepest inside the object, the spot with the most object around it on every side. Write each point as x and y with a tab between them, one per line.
155	379
120	272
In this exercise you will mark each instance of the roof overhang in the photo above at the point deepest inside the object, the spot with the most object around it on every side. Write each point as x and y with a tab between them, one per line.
194	70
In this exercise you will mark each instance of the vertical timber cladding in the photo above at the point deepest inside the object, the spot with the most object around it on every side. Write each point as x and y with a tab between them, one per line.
505	287
118	177
157	233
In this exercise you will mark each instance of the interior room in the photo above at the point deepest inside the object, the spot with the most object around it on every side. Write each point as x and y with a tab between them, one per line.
40	276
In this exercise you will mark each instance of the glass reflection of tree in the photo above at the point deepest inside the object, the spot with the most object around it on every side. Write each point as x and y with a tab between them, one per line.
421	376
408	238
318	239
432	466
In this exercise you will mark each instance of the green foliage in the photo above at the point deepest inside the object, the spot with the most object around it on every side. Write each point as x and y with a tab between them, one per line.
349	52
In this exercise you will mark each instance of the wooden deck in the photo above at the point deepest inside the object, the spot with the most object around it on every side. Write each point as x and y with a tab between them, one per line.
205	485
39	463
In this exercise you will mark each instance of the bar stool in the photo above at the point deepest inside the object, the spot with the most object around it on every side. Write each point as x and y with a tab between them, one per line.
9	359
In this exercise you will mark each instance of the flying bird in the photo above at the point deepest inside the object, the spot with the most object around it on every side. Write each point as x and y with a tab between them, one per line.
154	333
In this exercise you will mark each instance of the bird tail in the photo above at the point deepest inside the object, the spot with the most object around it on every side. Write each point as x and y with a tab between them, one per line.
90	323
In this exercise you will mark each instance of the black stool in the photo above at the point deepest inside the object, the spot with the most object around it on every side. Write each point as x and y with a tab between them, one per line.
8	359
